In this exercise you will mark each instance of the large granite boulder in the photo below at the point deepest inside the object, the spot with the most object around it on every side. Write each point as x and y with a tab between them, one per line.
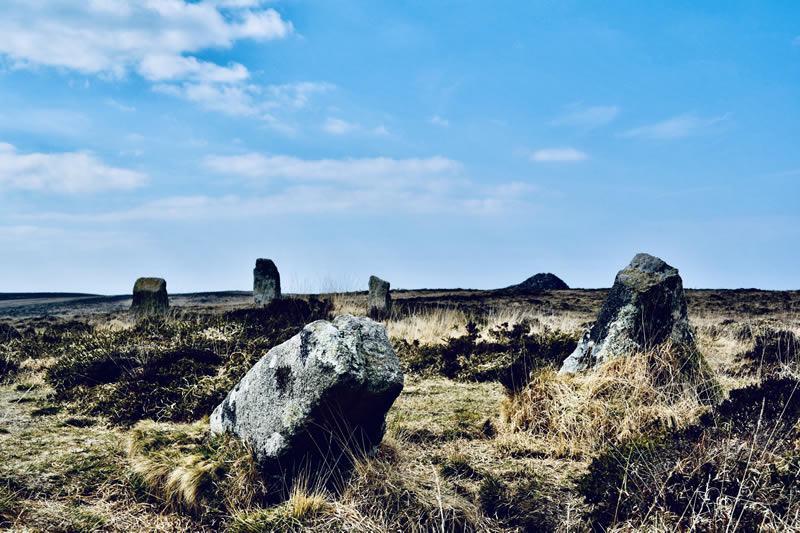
266	282
150	299
316	399
645	307
379	301
541	282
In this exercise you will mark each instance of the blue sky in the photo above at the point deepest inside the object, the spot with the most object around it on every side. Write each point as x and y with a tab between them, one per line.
435	144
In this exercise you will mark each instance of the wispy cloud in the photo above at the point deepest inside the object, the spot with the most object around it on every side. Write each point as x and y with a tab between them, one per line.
71	172
560	154
379	171
352	186
587	117
337	126
676	127
439	121
248	100
121	107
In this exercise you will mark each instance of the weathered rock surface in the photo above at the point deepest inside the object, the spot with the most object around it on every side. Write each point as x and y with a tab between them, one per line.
645	307
266	282
379	301
326	389
150	298
541	282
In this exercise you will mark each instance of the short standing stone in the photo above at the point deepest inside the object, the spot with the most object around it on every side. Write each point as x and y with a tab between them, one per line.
645	307
150	298
379	301
326	389
266	282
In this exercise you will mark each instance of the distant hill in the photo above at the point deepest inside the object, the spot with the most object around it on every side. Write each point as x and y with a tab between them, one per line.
40	295
541	282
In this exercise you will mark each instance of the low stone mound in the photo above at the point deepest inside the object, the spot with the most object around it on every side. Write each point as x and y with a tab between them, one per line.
540	282
379	301
645	307
317	399
150	299
266	282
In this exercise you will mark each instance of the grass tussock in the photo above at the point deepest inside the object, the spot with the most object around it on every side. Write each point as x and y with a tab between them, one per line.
177	464
737	469
630	395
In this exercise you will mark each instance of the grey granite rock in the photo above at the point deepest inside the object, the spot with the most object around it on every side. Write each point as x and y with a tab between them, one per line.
150	298
325	390
266	282
645	307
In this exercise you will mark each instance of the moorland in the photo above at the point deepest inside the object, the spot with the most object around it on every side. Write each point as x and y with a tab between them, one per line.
103	420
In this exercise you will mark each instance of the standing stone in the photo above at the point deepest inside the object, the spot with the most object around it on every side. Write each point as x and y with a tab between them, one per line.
150	298
645	307
379	302
266	282
323	391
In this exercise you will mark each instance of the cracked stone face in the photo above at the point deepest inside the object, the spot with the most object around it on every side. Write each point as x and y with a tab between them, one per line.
645	307
327	388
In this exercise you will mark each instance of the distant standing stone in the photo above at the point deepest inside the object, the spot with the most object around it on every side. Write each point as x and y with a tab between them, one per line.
645	307
266	282
310	399
150	298
379	302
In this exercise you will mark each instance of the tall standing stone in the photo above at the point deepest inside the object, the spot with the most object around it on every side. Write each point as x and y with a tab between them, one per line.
379	302
150	298
318	396
266	282
645	307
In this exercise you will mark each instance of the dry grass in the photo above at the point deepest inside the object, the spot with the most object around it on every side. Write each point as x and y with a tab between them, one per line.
576	415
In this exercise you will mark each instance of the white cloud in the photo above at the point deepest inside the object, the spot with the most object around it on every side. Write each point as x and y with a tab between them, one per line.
158	40
118	105
676	127
439	121
558	155
380	131
113	37
70	172
249	100
165	67
370	171
588	117
337	126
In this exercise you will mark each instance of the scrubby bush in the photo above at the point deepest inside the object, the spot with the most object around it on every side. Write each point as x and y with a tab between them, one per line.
175	370
737	468
508	355
773	350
